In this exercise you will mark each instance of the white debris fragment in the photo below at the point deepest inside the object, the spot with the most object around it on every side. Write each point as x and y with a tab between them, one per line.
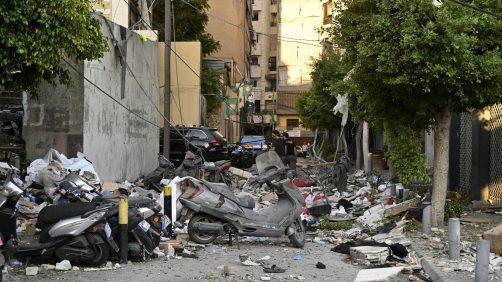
31	271
377	274
75	268
249	262
63	265
265	278
264	258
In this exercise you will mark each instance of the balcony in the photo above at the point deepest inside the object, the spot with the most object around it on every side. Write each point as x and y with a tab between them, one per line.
255	71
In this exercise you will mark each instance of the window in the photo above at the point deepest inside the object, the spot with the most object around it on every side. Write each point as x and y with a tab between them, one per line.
272	63
273	84
257	106
292	123
254	61
197	134
255	82
273	19
256	16
327	12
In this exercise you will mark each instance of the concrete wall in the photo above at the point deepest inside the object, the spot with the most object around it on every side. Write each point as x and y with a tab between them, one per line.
185	84
121	145
55	119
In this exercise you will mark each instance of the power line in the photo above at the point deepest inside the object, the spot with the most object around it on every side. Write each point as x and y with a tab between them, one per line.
477	8
109	96
273	36
143	90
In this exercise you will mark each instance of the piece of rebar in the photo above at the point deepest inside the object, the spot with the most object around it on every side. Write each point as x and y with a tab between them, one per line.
482	261
426	219
454	238
123	228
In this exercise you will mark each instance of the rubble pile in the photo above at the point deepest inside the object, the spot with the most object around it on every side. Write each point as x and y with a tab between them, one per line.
364	218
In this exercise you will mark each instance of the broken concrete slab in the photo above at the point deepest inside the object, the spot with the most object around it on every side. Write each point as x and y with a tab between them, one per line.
31	271
378	274
494	235
369	254
402	207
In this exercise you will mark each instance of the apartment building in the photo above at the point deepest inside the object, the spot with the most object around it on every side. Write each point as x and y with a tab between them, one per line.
230	24
299	41
263	72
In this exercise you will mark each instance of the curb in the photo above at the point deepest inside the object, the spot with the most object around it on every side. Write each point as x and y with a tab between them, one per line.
429	267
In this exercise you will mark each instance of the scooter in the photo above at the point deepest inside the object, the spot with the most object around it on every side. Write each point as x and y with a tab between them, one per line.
68	231
214	210
144	221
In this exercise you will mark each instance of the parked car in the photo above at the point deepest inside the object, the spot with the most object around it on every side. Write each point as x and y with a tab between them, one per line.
200	140
254	142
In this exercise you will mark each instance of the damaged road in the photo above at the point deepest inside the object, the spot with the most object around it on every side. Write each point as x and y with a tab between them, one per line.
211	264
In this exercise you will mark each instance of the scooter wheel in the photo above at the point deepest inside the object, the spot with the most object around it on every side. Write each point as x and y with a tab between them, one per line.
199	237
101	255
297	239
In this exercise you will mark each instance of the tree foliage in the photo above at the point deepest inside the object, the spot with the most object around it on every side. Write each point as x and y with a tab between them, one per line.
189	23
415	63
35	35
406	155
413	60
316	106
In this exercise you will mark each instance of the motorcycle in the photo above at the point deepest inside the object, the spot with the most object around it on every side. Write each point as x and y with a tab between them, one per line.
213	210
144	220
68	231
164	170
242	158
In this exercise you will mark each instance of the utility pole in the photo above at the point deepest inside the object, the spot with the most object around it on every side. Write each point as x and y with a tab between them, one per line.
167	77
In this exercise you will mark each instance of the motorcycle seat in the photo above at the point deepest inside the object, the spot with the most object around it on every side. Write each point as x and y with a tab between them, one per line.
222	189
53	214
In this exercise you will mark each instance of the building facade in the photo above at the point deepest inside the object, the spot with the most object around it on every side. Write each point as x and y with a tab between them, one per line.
299	41
234	32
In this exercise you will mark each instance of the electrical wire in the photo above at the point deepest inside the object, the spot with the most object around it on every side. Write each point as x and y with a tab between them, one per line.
222	97
144	92
477	8
273	36
177	76
109	96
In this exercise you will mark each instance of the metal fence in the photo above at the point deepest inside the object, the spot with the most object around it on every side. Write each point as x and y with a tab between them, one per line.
494	125
479	138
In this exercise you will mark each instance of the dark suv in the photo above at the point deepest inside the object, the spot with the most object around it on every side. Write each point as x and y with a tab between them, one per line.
205	140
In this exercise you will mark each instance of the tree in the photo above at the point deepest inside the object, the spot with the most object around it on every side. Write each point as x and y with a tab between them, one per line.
316	106
415	64
190	25
36	35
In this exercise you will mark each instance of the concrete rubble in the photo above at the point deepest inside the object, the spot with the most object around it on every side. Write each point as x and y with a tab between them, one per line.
366	220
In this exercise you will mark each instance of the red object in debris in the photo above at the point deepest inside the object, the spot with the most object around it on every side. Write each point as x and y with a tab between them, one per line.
390	201
300	182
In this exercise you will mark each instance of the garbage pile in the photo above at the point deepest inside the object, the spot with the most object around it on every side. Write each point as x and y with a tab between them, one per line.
363	216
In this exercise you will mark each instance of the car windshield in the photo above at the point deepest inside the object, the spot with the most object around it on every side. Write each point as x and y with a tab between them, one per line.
258	140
